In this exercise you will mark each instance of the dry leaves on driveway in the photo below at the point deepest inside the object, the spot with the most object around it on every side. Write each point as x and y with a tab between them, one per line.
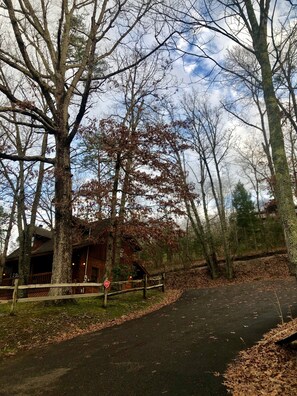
266	368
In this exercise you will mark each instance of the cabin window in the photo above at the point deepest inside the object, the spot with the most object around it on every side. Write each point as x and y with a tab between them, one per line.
94	274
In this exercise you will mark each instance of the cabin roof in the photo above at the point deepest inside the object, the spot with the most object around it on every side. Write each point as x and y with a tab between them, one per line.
43	232
87	234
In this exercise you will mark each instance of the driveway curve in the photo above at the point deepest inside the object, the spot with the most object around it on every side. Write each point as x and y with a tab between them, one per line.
182	349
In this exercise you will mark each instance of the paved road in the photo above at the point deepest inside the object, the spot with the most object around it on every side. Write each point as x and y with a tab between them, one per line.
178	350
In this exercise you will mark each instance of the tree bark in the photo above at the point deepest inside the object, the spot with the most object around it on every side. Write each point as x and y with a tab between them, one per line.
63	213
121	217
3	254
209	235
25	245
283	188
111	239
193	215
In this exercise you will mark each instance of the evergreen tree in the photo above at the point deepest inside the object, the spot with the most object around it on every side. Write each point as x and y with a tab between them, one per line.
244	206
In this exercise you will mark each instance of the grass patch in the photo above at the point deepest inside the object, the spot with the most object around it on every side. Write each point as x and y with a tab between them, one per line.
37	324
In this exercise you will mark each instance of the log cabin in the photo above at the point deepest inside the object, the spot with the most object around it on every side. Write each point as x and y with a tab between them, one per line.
88	257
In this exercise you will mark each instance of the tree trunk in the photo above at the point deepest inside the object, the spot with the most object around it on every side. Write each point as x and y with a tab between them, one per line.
63	214
26	231
25	239
2	265
121	217
219	200
193	216
7	238
283	188
110	251
209	235
23	270
25	244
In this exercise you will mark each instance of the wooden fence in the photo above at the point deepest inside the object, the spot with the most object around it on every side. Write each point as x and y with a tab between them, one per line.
104	290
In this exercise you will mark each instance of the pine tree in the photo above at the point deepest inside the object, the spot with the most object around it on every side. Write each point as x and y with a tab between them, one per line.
244	207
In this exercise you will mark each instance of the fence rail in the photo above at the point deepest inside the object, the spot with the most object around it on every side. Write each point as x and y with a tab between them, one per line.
102	290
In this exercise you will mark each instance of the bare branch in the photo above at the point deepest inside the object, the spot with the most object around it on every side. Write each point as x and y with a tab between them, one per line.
33	158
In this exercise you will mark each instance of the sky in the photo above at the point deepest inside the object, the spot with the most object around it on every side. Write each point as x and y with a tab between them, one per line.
189	71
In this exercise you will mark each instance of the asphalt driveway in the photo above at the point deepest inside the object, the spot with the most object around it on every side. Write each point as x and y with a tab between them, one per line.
181	349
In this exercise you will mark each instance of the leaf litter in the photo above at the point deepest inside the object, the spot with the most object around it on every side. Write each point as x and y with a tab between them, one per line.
266	368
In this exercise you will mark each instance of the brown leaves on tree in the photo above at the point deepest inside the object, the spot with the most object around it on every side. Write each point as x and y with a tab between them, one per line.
137	164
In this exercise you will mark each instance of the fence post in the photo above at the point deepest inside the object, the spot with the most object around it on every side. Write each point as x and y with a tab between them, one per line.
14	295
163	282
105	297
144	286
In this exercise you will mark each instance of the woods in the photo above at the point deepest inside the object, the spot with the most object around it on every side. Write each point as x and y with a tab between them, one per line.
175	122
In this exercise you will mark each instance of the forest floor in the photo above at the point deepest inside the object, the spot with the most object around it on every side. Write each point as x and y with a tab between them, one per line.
260	268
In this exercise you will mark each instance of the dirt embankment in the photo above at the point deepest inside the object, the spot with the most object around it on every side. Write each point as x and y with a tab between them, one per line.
269	267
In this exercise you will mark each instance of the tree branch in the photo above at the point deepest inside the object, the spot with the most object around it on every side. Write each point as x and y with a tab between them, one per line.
33	158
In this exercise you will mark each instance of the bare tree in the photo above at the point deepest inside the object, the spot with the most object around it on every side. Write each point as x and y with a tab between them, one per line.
24	181
253	163
64	51
211	141
141	89
247	80
200	226
250	25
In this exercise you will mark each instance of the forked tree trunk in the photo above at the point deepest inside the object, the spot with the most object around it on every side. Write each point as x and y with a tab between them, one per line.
225	229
